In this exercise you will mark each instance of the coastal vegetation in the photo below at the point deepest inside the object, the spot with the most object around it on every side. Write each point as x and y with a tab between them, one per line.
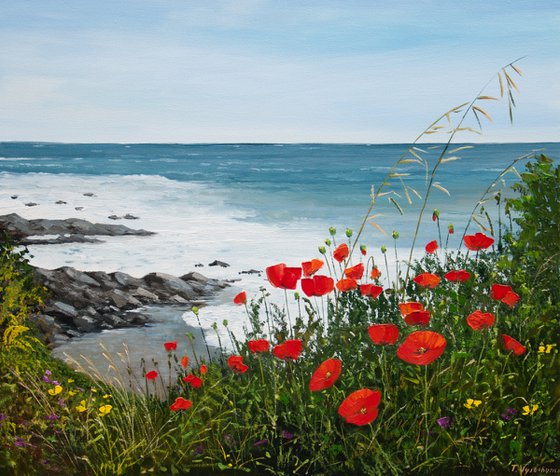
446	363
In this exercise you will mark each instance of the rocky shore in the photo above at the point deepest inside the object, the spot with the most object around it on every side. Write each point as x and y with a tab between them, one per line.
79	302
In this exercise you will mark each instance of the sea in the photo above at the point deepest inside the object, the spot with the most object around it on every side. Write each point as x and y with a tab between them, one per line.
248	205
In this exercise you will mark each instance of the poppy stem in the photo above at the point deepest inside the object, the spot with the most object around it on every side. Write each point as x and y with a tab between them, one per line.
439	232
387	268
426	424
288	314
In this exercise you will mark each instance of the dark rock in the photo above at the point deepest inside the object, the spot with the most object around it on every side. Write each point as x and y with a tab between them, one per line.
169	285
219	263
145	296
251	271
88	194
126	280
78	208
63	309
59	240
123	300
79	276
104	279
194	276
198	265
72	333
128	216
114	321
13	197
86	323
60	202
31	204
113	217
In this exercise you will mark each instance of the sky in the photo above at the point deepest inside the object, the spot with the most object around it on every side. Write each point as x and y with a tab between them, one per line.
186	71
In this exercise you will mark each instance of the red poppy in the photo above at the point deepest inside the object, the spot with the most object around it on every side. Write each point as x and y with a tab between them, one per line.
311	267
505	294
317	286
180	403
193	381
152	374
241	298
341	252
355	272
431	247
478	241
236	364
371	290
169	346
184	362
383	333
422	347
203	369
360	407
480	320
258	345
375	273
427	280
511	344
458	275
326	375
416	318
282	276
346	284
291	349
408	307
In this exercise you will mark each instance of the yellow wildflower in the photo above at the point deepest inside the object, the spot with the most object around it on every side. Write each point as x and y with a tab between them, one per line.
105	410
72	392
545	349
471	403
70	380
82	406
56	390
530	409
107	395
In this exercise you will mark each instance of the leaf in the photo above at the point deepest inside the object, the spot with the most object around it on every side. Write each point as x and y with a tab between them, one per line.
394	202
501	85
415	154
510	81
450	159
375	216
419	149
482	227
398	174
410	161
439	187
469	129
406	192
483	112
463	147
376	225
517	69
415	192
488	98
477	118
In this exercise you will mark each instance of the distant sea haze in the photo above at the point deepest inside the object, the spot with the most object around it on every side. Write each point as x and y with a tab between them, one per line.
250	206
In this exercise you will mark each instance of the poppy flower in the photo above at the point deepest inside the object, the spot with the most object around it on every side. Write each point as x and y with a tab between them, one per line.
193	381
282	276
512	345
311	267
360	407
151	375
169	346
370	290
341	252
458	275
505	294
431	247
480	320
375	273
478	241
184	362
241	298
422	347
427	280
408	307
203	369
355	272
180	403
290	349
317	285
258	345
383	333
420	317
236	364
325	375
346	284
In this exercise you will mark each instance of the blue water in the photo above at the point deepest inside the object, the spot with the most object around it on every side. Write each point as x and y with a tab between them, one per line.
284	182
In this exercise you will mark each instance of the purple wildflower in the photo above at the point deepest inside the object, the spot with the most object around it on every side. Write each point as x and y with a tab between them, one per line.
444	422
287	435
51	417
3	417
260	442
508	414
199	449
55	382
46	379
48	372
61	402
21	442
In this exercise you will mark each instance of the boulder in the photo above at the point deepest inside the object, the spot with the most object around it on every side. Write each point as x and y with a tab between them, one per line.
169	285
61	308
126	280
218	263
86	323
144	295
194	276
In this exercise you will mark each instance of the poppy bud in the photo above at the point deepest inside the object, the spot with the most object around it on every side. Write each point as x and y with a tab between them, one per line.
395	235
383	249
450	229
195	310
328	242
296	296
435	214
322	250
225	322
332	230
348	232
363	249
